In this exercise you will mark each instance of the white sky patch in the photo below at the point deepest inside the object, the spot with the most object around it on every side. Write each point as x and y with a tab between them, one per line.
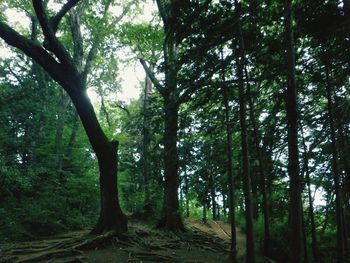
17	18
319	196
131	77
4	52
148	9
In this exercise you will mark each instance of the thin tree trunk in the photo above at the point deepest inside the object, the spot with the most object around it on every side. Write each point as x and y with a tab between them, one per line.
346	188
72	137
296	236
256	134
204	219
187	202
240	62
212	194
145	146
336	178
246	179
306	257
230	178
64	103
310	199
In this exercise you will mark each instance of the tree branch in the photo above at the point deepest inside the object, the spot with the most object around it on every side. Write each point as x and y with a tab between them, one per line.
96	41
54	45
33	50
55	21
163	11
78	43
154	80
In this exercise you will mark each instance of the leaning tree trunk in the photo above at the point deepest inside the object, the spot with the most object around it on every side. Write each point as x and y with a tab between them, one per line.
66	73
111	215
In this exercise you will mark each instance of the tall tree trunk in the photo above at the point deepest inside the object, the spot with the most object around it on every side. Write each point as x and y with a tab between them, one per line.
256	134
111	216
306	257
204	219
72	137
224	205
310	199
173	221
212	193
230	178
336	177
254	187
64	103
145	146
346	198
346	8
296	237
187	201
240	62
246	178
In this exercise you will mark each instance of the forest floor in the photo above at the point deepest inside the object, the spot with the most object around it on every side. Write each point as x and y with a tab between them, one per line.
202	243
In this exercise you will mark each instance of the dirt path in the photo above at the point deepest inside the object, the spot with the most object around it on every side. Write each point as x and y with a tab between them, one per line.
204	243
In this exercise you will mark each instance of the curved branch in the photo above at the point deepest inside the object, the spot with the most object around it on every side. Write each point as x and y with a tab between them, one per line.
54	21
33	50
55	46
152	77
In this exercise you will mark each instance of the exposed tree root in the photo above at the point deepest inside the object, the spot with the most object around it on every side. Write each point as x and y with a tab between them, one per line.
140	244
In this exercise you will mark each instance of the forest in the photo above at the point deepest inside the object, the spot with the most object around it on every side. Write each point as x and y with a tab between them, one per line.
236	148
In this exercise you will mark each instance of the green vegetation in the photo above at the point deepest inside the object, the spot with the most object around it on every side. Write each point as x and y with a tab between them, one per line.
243	117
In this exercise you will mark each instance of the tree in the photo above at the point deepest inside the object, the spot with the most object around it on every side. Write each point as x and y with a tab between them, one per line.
230	177
240	62
338	198
62	68
296	238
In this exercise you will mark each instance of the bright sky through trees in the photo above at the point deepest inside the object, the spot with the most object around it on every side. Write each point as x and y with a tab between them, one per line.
131	73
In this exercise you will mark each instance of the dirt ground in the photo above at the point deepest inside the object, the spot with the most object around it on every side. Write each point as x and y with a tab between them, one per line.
202	243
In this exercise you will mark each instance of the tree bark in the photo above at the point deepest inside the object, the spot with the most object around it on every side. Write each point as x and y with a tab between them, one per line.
246	179
72	137
310	199
146	168
240	62
336	178
64	103
256	134
187	200
173	221
212	193
230	178
295	216
111	216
